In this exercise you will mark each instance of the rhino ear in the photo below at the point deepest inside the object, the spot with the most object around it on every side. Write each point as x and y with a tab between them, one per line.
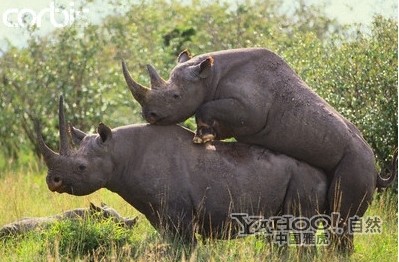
204	69
184	56
104	132
76	134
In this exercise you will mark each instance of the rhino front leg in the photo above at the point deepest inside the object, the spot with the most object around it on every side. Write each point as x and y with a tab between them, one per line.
204	134
219	119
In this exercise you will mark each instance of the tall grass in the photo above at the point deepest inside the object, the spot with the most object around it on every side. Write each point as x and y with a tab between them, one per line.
24	194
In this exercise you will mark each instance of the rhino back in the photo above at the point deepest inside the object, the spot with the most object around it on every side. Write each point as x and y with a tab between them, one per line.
286	115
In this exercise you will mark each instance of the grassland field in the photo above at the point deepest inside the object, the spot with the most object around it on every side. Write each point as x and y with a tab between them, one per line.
24	193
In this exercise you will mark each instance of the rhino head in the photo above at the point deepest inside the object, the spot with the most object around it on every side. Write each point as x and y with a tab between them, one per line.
176	99
77	171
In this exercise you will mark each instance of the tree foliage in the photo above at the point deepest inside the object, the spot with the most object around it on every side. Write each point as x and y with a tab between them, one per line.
354	71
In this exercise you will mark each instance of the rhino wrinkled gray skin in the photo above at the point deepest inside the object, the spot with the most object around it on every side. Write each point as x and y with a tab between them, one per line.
181	187
254	96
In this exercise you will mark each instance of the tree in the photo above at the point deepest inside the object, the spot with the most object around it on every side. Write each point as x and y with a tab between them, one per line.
354	71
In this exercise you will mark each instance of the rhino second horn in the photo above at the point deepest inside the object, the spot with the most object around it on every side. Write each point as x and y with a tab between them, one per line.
138	91
156	80
64	144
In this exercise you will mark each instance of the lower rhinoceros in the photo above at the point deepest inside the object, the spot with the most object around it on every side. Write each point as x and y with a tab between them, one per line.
254	96
181	187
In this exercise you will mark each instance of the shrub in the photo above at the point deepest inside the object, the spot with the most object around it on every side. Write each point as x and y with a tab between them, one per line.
74	239
354	71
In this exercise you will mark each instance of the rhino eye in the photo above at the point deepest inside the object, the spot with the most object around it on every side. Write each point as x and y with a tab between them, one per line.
176	96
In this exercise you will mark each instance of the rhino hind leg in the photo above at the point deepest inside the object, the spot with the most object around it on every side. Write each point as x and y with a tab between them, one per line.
306	198
350	194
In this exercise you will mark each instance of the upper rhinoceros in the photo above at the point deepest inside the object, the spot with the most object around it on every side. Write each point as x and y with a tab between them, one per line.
179	186
253	95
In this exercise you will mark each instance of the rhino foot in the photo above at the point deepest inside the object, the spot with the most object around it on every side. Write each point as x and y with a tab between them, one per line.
203	139
204	134
197	140
208	138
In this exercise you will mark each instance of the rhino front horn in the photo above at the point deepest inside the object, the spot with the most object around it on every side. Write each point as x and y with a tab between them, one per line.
156	80
138	91
64	144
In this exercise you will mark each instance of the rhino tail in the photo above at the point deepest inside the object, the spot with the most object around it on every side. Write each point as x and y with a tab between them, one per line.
383	182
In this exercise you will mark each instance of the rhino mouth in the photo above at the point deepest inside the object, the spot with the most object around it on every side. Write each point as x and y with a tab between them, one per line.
57	188
64	189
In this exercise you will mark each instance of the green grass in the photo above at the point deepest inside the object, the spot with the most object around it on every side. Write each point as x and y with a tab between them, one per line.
25	194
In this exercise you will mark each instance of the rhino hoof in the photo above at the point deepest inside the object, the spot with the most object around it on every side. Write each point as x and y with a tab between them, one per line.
208	138
203	139
197	140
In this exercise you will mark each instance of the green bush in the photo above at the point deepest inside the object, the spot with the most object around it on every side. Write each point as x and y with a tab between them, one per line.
358	77
86	238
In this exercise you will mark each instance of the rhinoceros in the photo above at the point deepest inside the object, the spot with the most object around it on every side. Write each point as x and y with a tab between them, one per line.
183	188
254	96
